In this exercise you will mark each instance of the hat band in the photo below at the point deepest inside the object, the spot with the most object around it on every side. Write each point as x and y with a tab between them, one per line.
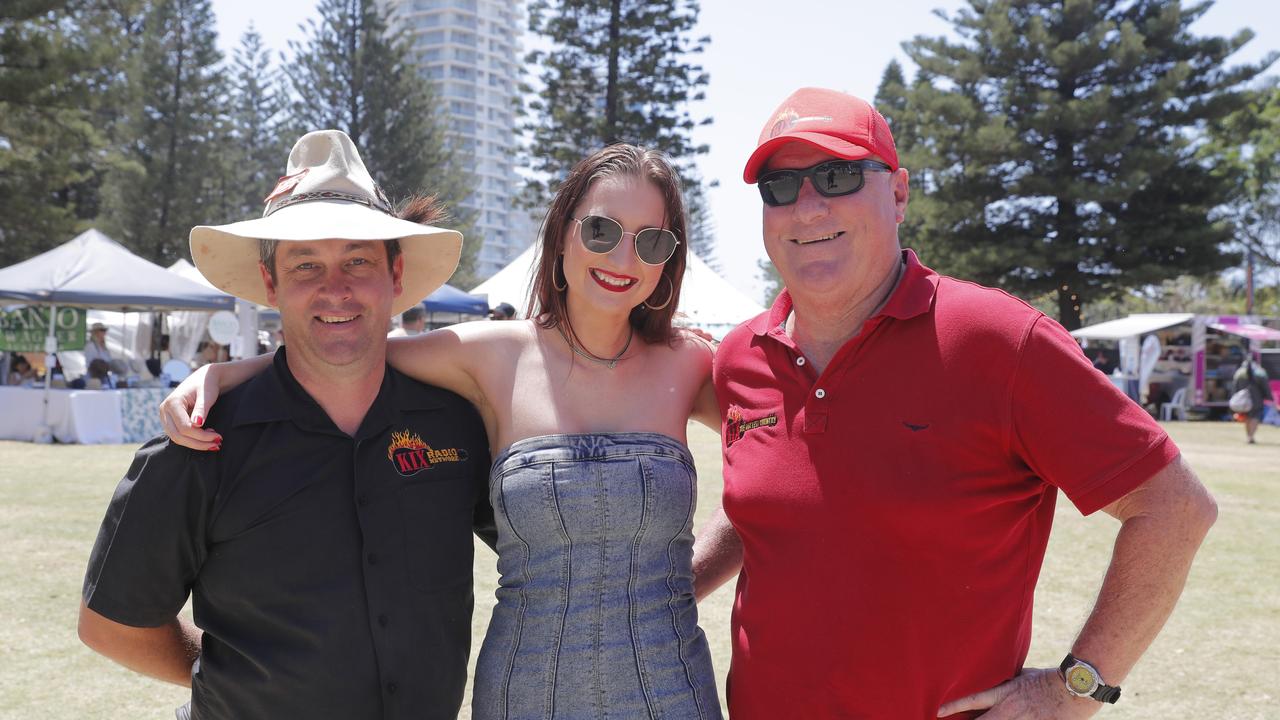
329	195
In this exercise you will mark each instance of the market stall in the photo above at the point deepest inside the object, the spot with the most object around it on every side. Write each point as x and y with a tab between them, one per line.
1162	353
90	271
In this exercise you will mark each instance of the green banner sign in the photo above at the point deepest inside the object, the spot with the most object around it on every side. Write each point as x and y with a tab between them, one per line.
24	329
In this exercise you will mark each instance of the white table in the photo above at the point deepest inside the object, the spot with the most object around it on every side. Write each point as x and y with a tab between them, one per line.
89	417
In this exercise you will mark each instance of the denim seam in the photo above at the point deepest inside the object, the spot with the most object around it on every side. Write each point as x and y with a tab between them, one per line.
682	644
637	645
566	579
521	608
602	505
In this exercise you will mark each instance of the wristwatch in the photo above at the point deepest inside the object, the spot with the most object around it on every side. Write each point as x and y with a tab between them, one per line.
1083	680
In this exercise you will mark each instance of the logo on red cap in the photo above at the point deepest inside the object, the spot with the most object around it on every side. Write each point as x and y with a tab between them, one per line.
788	119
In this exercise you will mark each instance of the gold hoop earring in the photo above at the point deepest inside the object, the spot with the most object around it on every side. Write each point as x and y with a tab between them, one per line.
559	265
670	295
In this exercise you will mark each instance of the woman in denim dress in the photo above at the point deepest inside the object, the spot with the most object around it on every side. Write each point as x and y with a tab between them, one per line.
593	486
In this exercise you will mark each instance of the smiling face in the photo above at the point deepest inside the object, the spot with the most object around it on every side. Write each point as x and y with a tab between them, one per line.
615	281
834	249
335	300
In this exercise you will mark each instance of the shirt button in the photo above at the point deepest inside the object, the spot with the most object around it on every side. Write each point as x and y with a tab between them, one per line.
373	559
820	393
800	360
392	688
362	500
382	620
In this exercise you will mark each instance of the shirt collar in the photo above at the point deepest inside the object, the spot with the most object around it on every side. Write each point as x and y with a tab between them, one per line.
912	297
276	395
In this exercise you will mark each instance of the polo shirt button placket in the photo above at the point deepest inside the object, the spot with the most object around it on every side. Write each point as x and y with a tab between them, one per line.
815	412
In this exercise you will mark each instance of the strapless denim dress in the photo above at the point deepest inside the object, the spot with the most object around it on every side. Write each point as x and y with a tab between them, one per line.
595	615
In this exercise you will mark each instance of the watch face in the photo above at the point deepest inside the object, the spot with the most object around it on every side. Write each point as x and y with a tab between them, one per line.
1080	679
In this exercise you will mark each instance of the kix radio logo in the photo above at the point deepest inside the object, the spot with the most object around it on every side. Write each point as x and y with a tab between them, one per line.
410	455
735	426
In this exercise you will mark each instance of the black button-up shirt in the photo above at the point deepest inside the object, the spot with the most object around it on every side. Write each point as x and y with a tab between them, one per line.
331	574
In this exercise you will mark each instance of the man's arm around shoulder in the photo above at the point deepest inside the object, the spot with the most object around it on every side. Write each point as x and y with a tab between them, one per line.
165	652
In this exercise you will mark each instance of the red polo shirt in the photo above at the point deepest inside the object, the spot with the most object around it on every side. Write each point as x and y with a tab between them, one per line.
894	511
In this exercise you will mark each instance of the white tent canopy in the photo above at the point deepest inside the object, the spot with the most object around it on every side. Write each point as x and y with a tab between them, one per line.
187	329
1132	326
707	301
94	271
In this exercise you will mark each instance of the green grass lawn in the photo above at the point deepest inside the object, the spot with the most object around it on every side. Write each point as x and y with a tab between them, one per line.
1217	657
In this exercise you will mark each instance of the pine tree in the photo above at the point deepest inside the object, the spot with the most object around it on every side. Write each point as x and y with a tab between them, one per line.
1054	146
163	179
354	75
58	65
1249	140
617	71
256	139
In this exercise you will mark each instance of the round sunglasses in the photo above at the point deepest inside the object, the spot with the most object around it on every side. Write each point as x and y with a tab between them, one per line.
600	234
831	178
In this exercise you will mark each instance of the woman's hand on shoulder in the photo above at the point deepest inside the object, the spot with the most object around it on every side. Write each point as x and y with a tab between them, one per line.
183	411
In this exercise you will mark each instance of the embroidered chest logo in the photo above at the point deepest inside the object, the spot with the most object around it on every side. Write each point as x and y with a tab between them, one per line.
736	425
410	455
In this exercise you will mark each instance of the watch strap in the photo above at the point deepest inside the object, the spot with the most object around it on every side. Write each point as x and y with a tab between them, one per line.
1103	693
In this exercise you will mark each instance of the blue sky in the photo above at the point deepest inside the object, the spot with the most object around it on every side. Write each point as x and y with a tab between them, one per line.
760	51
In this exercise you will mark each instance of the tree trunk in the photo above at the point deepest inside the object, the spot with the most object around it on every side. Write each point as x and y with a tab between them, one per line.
170	176
611	90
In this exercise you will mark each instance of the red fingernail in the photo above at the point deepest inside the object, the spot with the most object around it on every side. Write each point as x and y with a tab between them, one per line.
197	421
215	448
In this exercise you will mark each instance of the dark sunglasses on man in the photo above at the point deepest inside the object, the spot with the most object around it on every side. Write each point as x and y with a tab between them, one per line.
600	234
831	178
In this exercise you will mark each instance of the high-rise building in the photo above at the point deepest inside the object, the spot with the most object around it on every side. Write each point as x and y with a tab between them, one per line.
470	49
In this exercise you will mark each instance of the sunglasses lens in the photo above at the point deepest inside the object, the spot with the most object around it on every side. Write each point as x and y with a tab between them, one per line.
655	246
837	178
780	188
599	234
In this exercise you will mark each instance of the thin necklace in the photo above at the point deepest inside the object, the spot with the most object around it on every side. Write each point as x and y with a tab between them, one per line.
584	353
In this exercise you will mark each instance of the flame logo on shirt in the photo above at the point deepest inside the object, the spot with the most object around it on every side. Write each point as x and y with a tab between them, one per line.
735	425
410	455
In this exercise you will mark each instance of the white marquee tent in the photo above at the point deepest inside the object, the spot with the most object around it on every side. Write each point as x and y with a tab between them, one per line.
707	301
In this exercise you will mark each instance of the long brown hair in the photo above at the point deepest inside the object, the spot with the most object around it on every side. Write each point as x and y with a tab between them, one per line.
547	304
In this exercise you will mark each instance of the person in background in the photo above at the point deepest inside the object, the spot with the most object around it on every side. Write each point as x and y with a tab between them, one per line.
96	347
100	370
207	352
412	322
20	370
1252	377
504	311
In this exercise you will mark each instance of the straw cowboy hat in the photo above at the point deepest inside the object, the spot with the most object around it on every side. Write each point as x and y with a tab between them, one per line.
326	193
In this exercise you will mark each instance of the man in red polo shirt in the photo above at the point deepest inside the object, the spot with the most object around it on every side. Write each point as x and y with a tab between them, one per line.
894	443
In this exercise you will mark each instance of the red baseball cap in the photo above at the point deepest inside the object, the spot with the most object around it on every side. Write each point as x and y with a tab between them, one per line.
840	124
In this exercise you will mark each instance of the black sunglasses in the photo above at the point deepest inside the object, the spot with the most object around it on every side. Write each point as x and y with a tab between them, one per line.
600	234
831	178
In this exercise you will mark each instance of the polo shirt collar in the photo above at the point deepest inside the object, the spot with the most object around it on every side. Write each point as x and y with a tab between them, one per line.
276	396
912	297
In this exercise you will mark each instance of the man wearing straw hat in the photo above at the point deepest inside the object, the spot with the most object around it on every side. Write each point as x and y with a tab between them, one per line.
327	549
